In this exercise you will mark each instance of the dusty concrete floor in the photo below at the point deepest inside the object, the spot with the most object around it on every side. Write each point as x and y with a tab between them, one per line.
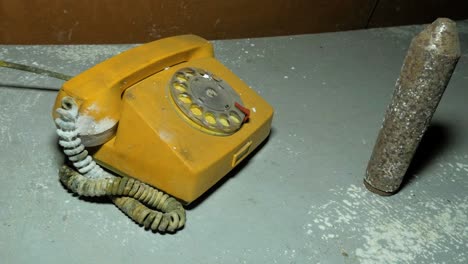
300	199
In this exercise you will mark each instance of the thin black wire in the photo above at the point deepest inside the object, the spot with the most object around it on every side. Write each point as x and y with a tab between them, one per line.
29	87
35	70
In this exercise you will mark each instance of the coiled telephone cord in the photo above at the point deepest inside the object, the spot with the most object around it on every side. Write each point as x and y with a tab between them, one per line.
129	195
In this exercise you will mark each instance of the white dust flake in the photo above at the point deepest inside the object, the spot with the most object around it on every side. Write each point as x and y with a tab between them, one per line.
423	230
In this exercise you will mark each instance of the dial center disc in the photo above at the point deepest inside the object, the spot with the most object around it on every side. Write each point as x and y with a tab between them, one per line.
207	100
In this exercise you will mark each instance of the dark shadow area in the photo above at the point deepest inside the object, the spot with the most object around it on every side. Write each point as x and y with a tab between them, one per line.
97	200
230	175
437	139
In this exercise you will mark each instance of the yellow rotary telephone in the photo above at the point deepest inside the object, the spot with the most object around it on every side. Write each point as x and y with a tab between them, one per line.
166	115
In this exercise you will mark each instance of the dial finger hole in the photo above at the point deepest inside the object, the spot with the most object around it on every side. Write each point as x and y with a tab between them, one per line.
180	87
181	77
196	110
210	118
185	98
224	121
234	117
189	73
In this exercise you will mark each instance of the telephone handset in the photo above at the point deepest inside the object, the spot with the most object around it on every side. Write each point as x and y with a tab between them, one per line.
98	91
166	114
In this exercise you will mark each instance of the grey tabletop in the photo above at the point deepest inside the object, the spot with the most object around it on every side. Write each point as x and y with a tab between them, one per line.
299	199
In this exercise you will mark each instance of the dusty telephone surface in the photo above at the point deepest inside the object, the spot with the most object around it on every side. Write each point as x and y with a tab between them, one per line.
168	114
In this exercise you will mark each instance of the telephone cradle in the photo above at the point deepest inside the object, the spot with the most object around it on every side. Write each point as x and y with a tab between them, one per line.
165	120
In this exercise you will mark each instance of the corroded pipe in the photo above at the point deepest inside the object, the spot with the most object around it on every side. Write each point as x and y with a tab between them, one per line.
427	68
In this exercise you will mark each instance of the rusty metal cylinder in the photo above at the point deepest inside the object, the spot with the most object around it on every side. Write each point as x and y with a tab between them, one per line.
427	68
